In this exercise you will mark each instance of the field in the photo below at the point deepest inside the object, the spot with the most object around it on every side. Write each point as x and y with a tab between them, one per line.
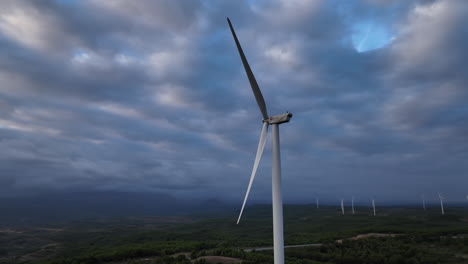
395	235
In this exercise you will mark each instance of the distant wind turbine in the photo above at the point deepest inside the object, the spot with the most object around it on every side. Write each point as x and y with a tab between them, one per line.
317	202
373	205
342	206
423	202
352	204
441	198
274	121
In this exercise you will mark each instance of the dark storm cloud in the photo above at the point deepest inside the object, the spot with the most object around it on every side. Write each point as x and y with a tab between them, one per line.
151	96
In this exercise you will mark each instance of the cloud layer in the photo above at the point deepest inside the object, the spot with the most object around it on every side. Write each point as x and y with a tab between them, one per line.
152	96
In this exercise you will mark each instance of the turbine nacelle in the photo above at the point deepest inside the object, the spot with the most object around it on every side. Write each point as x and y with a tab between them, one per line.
278	119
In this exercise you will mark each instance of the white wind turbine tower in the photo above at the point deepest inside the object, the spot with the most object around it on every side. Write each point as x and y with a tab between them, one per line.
423	202
352	204
342	206
373	205
317	201
274	121
441	198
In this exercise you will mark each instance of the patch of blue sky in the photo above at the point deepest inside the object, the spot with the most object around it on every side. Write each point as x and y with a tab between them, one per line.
368	36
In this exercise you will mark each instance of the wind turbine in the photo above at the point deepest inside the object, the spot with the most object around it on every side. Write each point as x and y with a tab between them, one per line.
274	121
352	204
423	202
373	205
441	198
342	206
317	201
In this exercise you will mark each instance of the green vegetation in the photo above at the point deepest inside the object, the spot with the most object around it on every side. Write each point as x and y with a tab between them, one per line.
416	237
401	250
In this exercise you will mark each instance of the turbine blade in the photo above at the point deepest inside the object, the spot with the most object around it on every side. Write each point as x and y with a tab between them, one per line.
261	146
253	83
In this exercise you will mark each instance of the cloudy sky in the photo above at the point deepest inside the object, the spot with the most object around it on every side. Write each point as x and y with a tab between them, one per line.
151	96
